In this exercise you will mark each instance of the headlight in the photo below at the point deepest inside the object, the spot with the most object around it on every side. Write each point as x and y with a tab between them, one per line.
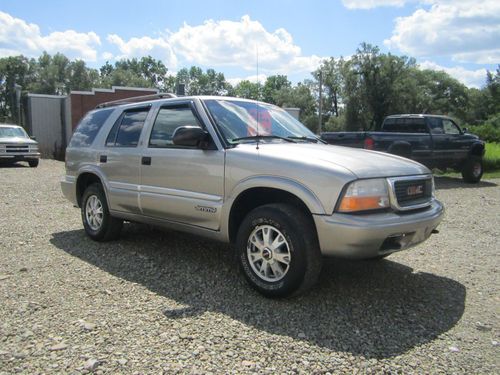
364	195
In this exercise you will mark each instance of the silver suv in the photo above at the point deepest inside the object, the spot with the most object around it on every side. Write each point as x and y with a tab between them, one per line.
247	173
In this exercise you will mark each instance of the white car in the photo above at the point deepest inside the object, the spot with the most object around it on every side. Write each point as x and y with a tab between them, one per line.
16	145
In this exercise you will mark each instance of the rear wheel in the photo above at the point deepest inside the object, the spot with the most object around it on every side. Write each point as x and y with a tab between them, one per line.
472	171
98	223
278	250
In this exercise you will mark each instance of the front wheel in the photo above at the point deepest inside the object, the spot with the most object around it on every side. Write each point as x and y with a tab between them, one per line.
472	170
98	223
278	250
33	163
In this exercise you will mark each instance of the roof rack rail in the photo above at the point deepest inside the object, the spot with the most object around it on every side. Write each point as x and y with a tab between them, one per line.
137	99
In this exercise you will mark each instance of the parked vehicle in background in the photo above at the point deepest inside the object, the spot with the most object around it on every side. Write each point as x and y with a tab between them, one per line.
435	141
16	145
246	173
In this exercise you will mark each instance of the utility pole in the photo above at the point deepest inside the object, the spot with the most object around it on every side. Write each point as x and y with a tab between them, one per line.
320	102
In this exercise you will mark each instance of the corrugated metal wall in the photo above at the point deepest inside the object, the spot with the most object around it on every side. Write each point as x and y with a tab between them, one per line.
48	117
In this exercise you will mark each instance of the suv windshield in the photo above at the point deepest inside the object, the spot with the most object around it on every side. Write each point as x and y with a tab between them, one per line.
12	132
244	121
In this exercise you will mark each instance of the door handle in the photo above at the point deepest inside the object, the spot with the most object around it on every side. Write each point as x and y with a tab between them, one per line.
146	160
103	158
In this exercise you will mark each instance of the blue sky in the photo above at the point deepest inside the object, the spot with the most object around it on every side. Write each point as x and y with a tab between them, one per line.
461	37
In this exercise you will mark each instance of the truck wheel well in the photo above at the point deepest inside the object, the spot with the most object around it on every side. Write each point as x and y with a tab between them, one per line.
477	150
85	180
401	149
255	197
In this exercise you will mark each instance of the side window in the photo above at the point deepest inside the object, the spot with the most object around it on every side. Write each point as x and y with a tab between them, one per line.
450	127
436	125
169	119
127	129
415	125
88	128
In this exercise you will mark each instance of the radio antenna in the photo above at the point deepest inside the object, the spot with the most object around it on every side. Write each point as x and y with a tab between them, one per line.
258	95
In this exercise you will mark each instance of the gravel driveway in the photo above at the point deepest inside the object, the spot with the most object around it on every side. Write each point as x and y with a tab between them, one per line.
160	301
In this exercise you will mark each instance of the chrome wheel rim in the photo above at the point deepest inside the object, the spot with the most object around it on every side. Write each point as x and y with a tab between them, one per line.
268	253
94	212
476	170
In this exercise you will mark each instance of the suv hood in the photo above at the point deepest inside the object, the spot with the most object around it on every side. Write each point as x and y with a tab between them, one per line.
362	163
18	140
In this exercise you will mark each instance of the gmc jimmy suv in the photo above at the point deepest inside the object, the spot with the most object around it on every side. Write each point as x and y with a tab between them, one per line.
247	173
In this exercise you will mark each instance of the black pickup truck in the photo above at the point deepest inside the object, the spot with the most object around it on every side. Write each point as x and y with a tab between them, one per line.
435	141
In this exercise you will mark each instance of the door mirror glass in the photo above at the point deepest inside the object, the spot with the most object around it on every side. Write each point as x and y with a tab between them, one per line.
190	136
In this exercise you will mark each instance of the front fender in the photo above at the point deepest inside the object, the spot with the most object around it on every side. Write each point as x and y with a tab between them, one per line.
282	183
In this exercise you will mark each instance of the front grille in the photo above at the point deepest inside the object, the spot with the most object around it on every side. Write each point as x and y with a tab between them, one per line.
17	148
413	192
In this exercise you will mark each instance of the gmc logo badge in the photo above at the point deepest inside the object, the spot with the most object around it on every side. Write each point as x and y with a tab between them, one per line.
415	190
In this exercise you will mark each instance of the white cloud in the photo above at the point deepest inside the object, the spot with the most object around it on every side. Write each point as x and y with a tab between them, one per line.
471	78
237	43
19	37
159	48
254	78
370	4
466	30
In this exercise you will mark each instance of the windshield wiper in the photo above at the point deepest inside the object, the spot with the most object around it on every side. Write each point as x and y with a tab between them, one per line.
258	137
305	138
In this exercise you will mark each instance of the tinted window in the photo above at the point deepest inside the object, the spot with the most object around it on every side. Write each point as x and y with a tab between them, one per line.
88	128
436	125
405	125
167	121
127	130
449	127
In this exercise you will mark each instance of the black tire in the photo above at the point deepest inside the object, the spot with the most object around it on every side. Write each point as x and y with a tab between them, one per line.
472	171
109	227
33	163
301	244
378	257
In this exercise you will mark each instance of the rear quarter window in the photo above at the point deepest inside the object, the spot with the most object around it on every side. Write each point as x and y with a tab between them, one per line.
89	126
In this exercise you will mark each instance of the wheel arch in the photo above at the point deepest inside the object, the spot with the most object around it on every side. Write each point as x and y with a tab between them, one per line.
401	148
85	179
257	196
477	149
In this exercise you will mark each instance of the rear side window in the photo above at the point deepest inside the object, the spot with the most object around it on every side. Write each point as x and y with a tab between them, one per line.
405	125
88	128
127	129
169	119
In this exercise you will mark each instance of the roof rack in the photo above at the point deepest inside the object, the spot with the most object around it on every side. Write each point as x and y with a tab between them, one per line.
137	99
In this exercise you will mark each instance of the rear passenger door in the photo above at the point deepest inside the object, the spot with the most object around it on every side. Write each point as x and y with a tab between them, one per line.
120	160
181	184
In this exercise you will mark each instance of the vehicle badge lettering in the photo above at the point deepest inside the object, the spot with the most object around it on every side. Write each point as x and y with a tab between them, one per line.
210	210
415	190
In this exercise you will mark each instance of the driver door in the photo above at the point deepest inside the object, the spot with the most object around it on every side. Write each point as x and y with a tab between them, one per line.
181	184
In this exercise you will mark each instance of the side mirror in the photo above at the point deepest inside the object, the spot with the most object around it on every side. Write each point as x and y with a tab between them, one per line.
465	130
190	136
33	137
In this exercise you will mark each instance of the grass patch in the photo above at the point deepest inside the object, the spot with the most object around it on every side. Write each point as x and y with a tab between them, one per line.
492	157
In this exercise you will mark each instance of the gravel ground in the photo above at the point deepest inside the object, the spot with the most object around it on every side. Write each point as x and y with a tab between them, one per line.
160	301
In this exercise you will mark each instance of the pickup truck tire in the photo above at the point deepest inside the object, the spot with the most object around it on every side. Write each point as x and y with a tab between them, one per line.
98	223
278	250
33	163
472	171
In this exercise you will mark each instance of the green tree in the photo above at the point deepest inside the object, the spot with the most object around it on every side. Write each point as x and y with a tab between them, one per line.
246	89
272	86
15	70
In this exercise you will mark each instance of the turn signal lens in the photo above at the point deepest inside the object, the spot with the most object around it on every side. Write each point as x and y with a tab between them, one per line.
364	195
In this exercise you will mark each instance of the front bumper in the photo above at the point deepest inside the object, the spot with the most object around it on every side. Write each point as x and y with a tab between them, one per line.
19	156
371	235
